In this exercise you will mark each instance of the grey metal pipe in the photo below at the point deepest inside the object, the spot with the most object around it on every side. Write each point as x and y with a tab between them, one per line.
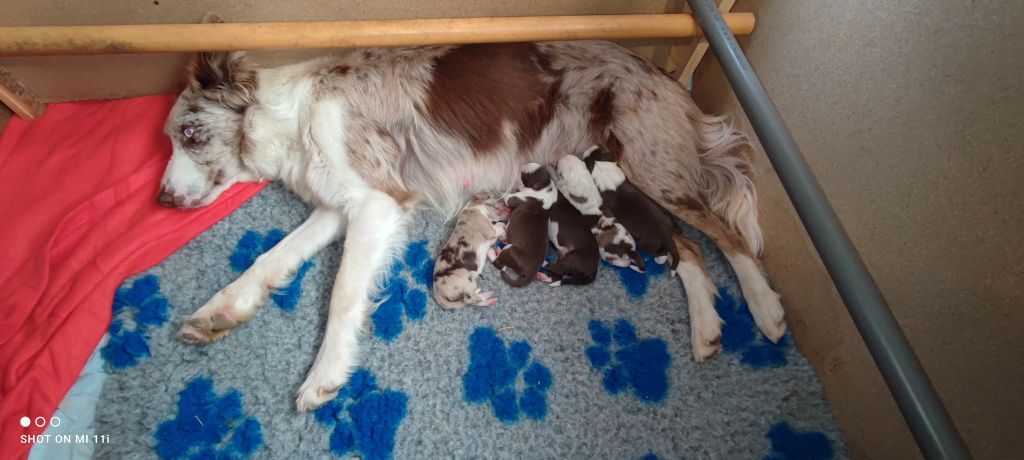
931	425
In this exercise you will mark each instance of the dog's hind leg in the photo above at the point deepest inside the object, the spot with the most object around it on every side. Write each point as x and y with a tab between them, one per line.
375	234
764	302
240	300
705	324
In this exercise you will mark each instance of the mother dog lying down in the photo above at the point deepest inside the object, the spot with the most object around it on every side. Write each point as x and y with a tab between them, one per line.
366	137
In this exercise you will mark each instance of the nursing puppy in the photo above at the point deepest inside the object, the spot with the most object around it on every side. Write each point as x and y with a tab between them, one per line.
526	232
615	245
462	259
570	233
645	220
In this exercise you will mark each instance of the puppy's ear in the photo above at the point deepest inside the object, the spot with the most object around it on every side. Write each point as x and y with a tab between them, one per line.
227	77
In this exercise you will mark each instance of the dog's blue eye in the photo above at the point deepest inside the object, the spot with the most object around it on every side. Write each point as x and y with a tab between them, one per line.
188	132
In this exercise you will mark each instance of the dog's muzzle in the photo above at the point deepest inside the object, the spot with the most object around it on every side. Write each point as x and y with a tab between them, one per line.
169	199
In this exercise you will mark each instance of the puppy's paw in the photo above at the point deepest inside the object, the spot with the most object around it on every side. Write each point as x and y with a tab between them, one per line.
499	230
544	278
635	268
492	253
660	260
487	299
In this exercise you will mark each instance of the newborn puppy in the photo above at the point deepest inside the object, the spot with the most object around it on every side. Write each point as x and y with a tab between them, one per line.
527	227
614	243
570	233
462	259
649	224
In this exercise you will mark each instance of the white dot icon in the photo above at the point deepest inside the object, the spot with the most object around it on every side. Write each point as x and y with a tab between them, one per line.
25	422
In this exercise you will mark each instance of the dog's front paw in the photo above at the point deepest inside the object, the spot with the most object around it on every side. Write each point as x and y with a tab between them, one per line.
318	389
202	329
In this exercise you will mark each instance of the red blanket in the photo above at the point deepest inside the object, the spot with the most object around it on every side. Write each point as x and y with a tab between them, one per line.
78	214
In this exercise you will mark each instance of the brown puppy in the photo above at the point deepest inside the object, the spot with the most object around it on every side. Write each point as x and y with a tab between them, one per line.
571	234
649	224
527	227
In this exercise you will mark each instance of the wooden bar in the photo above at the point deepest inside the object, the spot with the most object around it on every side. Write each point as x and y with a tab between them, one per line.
166	38
701	48
18	98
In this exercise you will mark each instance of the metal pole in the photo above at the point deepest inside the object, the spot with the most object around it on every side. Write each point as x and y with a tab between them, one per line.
931	425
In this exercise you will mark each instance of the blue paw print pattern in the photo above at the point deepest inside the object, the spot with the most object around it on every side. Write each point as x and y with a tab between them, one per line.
636	283
789	444
365	418
398	298
640	365
493	370
741	336
208	426
250	246
138	310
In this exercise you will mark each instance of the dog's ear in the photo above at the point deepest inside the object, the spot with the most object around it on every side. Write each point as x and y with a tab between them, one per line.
227	77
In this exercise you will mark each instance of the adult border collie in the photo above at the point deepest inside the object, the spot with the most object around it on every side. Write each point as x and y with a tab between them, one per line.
366	137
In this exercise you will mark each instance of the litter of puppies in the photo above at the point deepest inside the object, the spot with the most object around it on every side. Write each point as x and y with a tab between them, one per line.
584	208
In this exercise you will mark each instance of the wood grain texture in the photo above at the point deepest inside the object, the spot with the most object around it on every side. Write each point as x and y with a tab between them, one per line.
160	38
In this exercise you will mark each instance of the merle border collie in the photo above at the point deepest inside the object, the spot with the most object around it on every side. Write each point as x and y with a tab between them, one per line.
366	137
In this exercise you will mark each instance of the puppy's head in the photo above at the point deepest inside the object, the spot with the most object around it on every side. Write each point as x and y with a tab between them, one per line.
594	154
489	206
534	176
205	128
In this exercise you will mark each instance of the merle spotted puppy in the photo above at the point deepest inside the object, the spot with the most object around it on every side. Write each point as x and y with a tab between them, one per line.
462	259
649	224
570	233
526	232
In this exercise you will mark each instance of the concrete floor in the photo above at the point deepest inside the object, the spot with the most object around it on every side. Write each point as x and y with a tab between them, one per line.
910	115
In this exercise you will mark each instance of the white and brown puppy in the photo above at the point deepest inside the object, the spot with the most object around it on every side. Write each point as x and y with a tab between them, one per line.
649	224
527	226
615	245
578	255
463	258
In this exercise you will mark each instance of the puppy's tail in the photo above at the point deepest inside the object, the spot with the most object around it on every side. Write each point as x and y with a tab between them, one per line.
725	177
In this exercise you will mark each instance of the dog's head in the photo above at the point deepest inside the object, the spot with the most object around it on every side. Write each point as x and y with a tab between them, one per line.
205	128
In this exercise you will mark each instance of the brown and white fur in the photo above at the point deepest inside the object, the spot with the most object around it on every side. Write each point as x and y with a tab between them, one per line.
578	255
460	262
651	226
526	233
367	136
614	243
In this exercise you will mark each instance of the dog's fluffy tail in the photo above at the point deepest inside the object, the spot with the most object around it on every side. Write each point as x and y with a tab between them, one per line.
725	178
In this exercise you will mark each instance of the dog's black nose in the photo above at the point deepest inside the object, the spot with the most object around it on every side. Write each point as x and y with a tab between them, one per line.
165	199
